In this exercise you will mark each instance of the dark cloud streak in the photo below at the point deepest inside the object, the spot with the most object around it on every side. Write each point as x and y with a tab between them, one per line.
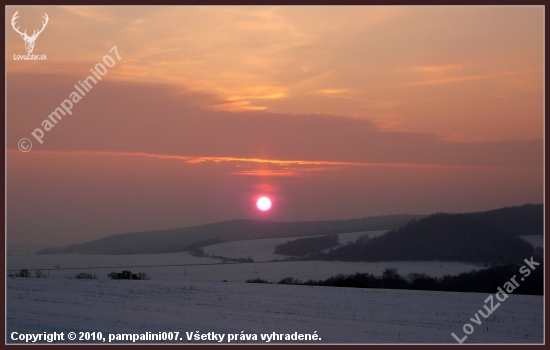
131	117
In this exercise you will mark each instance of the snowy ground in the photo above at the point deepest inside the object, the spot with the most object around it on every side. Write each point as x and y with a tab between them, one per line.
337	315
185	267
186	294
262	249
535	240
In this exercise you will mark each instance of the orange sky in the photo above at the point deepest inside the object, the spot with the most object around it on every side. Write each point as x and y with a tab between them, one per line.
335	112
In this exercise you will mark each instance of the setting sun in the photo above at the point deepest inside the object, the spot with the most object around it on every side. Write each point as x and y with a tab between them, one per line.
263	203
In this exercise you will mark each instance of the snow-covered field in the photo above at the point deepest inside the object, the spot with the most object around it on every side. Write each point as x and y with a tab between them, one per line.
186	294
262	249
337	315
535	240
185	267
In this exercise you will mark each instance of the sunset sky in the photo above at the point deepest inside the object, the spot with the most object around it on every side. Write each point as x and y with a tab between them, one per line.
332	112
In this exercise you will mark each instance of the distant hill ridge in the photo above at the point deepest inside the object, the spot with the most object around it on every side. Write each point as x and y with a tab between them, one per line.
189	238
484	237
525	220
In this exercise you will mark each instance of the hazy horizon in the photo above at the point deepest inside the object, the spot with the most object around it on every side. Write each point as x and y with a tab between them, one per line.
40	246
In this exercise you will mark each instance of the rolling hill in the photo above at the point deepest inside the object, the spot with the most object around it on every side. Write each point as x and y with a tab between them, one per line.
190	238
472	237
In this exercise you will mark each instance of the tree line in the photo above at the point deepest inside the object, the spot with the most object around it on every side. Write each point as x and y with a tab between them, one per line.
304	246
481	281
443	237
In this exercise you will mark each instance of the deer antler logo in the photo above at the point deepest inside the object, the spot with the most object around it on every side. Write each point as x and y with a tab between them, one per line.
29	40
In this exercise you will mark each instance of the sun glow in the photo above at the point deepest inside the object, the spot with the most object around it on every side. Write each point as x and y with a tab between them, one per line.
263	203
